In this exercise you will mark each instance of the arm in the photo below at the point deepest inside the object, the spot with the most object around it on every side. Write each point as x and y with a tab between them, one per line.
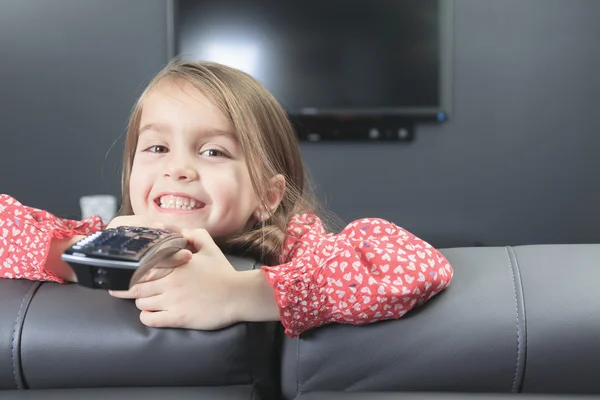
373	270
256	298
32	240
55	265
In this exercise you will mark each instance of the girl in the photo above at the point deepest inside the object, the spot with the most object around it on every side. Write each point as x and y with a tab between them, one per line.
211	153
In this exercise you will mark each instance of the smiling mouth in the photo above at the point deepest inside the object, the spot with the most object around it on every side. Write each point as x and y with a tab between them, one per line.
170	202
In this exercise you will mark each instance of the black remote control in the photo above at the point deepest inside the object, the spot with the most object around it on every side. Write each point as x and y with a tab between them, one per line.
116	258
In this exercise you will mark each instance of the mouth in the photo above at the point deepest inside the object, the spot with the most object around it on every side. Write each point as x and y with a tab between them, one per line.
178	202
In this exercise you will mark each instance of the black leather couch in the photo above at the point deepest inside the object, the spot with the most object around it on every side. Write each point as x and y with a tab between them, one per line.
515	320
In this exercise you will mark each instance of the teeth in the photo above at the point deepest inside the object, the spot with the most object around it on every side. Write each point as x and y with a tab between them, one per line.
178	203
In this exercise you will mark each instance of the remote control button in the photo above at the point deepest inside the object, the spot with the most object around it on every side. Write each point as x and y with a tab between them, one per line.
102	250
117	241
101	278
137	244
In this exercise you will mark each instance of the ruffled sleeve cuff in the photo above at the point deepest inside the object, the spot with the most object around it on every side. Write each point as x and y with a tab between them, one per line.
25	237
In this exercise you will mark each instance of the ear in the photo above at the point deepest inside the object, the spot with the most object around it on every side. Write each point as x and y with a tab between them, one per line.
275	194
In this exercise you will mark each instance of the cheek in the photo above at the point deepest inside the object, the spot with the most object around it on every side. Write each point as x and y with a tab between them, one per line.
245	191
139	188
232	188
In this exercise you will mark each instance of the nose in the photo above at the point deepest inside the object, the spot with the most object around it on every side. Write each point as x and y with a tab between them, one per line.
181	170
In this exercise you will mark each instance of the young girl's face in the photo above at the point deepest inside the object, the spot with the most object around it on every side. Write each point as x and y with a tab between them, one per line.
189	170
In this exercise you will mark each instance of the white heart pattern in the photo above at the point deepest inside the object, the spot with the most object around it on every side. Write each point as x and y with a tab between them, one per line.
313	285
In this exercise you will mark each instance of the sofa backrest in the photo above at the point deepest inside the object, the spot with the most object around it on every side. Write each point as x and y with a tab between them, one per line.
514	319
68	336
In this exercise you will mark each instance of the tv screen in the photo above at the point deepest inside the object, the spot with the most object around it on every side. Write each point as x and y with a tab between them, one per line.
328	57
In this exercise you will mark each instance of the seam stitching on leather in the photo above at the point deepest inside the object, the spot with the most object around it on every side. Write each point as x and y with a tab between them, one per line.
14	337
512	273
298	366
523	316
17	335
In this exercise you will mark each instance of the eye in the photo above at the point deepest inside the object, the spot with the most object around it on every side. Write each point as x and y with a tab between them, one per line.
157	149
213	153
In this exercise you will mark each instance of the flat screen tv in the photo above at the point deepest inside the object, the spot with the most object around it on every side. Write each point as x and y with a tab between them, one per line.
373	58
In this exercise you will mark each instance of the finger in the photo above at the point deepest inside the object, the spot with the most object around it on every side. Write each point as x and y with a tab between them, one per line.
153	303
143	289
122	294
175	260
156	319
198	238
154	274
162	268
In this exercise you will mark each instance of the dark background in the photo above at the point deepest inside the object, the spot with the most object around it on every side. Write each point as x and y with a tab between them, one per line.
333	54
517	163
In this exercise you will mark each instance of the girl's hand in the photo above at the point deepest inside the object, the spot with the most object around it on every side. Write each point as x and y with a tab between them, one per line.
200	294
159	271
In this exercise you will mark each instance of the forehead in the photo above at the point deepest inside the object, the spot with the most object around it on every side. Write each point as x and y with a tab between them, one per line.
179	103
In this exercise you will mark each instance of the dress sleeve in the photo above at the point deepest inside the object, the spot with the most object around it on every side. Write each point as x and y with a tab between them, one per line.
372	270
25	237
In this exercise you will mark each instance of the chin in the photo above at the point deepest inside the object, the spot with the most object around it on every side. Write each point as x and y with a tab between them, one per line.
181	223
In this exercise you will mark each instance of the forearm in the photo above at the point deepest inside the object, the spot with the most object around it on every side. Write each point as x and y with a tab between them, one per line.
55	264
254	298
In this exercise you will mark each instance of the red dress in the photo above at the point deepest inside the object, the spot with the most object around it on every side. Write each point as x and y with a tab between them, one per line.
372	270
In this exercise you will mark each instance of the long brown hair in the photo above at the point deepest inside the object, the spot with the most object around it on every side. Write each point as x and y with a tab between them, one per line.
266	137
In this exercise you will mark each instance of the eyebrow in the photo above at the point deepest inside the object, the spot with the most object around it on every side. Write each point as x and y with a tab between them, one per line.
153	127
161	128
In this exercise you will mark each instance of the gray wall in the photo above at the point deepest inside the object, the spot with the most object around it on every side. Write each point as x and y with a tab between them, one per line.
70	71
516	164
